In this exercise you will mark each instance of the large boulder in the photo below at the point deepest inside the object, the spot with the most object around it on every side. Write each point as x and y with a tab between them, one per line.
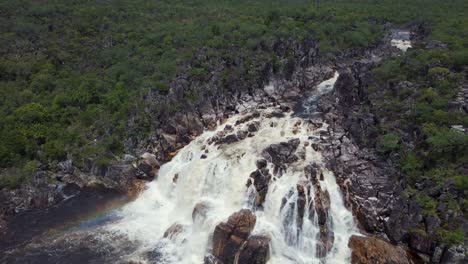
281	154
371	250
256	250
228	237
148	166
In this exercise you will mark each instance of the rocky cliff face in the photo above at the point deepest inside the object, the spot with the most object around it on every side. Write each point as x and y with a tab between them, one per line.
372	188
175	119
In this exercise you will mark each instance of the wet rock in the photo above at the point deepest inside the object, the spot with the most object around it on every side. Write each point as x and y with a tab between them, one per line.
281	154
209	121
220	139
253	127
303	189
370	250
241	134
229	139
325	241
285	108
261	163
313	172
256	250
316	123
199	211
173	230
148	166
228	237
277	114
244	119
260	179
210	259
322	204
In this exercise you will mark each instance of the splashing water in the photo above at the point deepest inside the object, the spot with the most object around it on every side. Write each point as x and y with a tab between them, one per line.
219	182
401	39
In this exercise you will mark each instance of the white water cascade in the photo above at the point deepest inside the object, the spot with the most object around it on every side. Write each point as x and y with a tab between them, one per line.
219	180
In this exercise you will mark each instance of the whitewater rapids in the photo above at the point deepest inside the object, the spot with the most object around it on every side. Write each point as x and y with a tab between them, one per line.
219	180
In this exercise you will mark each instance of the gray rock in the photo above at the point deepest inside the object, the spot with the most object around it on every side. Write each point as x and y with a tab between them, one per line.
66	166
455	255
127	158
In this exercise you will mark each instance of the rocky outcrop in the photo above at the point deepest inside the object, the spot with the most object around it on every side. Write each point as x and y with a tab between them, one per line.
148	166
232	242
281	154
370	250
370	187
260	180
175	116
326	236
256	250
454	255
229	237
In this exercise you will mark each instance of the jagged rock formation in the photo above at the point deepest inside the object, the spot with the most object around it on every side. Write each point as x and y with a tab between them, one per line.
260	179
232	242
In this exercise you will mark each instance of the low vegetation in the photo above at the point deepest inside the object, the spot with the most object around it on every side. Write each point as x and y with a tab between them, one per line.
72	72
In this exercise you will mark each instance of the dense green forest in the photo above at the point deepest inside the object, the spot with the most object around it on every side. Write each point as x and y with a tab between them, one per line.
71	72
418	128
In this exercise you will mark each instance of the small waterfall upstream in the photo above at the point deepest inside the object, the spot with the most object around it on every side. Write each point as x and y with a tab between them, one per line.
216	175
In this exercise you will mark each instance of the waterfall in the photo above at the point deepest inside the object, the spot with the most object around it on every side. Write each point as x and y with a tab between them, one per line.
215	176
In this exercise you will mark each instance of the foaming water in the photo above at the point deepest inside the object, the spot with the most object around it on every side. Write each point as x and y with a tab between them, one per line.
401	39
308	105
216	176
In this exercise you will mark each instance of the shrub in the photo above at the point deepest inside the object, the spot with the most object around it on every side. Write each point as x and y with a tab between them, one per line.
461	182
389	142
455	237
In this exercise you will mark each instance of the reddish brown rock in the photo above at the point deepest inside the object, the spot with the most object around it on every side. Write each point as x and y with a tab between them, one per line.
322	204
229	237
370	250
148	165
325	242
256	250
